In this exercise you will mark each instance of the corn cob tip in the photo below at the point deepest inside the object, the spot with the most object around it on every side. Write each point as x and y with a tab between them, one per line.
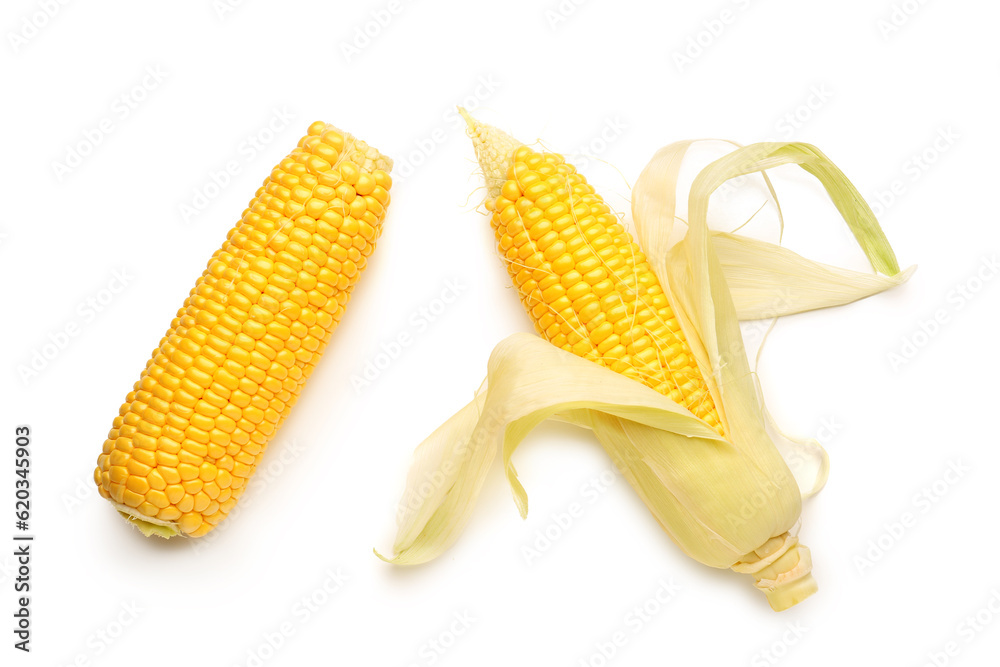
493	148
782	569
363	155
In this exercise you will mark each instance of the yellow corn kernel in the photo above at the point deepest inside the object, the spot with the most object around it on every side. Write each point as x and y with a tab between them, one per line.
235	357
596	295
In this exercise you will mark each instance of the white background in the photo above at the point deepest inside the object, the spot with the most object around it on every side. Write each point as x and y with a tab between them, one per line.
335	471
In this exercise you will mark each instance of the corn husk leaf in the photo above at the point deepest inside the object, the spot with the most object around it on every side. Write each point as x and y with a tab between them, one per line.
446	476
526	384
717	500
767	280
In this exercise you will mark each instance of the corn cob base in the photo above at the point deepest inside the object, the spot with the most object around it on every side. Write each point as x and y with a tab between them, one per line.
231	365
782	570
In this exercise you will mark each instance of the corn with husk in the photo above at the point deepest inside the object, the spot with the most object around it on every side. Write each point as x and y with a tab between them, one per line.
643	347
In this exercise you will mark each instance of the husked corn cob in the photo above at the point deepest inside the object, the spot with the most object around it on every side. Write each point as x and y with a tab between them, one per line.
232	363
581	277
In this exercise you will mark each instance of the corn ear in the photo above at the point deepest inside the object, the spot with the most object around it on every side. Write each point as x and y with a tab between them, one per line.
192	431
726	496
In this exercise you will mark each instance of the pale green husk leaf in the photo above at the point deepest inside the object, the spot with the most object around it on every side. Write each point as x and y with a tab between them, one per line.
767	280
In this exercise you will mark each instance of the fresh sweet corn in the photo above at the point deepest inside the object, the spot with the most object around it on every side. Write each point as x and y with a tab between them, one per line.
583	280
716	476
191	432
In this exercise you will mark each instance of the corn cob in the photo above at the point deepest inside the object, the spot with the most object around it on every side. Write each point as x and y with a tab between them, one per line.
581	277
231	365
